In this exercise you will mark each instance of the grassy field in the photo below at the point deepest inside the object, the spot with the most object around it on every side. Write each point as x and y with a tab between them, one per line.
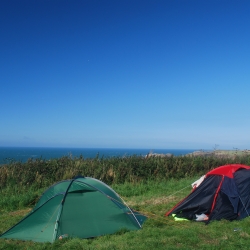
152	186
153	199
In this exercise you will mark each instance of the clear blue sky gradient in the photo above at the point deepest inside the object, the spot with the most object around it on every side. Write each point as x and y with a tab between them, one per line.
125	73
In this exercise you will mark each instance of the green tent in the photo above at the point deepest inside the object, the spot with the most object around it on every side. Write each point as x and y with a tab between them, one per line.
82	207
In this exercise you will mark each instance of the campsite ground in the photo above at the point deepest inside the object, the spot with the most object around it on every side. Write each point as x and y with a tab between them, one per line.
154	199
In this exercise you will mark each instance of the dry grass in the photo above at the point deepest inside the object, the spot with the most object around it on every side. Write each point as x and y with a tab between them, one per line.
152	201
21	212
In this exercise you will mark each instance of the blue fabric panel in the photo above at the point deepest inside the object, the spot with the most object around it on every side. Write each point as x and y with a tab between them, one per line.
230	189
200	200
242	180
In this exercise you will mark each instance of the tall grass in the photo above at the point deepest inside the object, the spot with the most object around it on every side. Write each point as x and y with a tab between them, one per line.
40	173
21	184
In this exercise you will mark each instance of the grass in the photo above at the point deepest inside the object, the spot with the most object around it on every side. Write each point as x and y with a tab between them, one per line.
150	185
40	173
153	198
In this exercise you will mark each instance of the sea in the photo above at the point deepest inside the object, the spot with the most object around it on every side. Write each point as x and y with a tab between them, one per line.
22	154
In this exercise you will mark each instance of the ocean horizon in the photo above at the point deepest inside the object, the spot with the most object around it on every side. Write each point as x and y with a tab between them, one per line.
22	154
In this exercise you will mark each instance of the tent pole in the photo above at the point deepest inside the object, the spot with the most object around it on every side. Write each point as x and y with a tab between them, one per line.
131	212
57	222
60	210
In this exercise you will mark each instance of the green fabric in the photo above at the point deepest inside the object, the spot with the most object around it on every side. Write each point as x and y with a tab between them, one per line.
136	216
90	214
84	207
39	225
80	186
60	187
101	186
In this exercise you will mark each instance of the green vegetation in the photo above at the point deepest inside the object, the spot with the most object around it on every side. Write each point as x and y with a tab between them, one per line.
150	185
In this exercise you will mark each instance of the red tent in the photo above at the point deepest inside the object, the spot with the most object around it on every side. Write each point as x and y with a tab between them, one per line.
223	194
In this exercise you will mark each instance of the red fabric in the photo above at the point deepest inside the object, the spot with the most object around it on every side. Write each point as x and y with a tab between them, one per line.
216	194
227	170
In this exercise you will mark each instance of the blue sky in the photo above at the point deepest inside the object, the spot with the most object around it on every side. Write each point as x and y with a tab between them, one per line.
170	74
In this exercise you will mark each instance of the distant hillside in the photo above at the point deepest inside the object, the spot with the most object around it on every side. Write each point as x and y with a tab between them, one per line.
221	153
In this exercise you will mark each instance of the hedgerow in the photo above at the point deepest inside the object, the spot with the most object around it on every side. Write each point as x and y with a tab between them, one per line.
41	173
